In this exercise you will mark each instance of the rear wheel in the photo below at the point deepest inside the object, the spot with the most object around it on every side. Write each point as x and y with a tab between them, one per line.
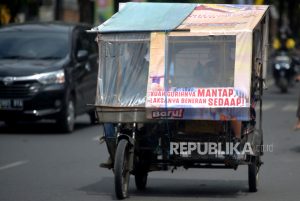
253	175
141	181
10	123
121	169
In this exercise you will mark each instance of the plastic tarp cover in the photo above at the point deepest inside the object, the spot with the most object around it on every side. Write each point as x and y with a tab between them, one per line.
206	61
147	17
123	69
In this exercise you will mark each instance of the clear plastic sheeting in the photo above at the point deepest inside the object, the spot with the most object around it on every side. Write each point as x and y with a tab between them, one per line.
201	61
123	69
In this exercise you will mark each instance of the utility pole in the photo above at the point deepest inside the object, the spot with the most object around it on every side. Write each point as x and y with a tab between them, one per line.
86	11
58	9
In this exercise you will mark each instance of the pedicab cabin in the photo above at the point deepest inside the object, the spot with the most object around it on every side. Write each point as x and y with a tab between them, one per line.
181	61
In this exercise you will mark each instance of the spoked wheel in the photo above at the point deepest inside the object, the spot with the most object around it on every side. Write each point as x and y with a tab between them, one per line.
253	175
141	180
121	169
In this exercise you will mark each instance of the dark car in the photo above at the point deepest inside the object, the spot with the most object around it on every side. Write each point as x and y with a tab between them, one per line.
47	71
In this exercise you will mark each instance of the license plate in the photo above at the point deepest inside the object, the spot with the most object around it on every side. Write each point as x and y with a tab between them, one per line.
11	104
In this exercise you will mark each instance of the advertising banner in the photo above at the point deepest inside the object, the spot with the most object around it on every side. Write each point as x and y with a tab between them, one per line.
220	17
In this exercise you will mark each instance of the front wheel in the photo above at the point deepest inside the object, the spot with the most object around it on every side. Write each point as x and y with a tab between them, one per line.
121	169
283	84
253	176
67	120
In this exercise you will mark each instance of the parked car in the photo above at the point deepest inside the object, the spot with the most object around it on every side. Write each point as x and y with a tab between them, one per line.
47	71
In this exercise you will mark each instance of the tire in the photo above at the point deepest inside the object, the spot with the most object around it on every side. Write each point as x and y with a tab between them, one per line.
141	181
284	90
253	176
121	169
10	123
67	120
283	83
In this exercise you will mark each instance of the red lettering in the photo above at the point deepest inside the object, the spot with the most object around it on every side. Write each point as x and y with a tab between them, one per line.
220	101
215	102
226	102
232	102
224	93
220	92
201	92
210	101
238	101
230	92
214	92
208	93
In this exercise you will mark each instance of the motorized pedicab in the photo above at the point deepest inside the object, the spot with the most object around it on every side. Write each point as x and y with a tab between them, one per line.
180	85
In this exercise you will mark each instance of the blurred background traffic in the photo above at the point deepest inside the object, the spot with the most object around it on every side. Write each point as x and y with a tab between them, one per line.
23	98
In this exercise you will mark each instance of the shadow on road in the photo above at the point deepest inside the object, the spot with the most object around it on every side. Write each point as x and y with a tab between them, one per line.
296	149
174	188
276	94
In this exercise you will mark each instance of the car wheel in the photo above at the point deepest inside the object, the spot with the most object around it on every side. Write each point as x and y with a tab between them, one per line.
10	123
67	120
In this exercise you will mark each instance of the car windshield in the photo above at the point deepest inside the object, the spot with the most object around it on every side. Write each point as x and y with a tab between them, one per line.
33	45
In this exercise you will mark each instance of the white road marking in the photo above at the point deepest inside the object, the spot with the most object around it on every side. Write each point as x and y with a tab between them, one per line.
267	106
96	138
290	108
12	165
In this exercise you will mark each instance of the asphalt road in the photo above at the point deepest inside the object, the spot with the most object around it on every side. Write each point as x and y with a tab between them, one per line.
38	164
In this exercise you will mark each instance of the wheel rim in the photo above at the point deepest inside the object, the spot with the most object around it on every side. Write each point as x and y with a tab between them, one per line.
253	176
71	115
256	176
